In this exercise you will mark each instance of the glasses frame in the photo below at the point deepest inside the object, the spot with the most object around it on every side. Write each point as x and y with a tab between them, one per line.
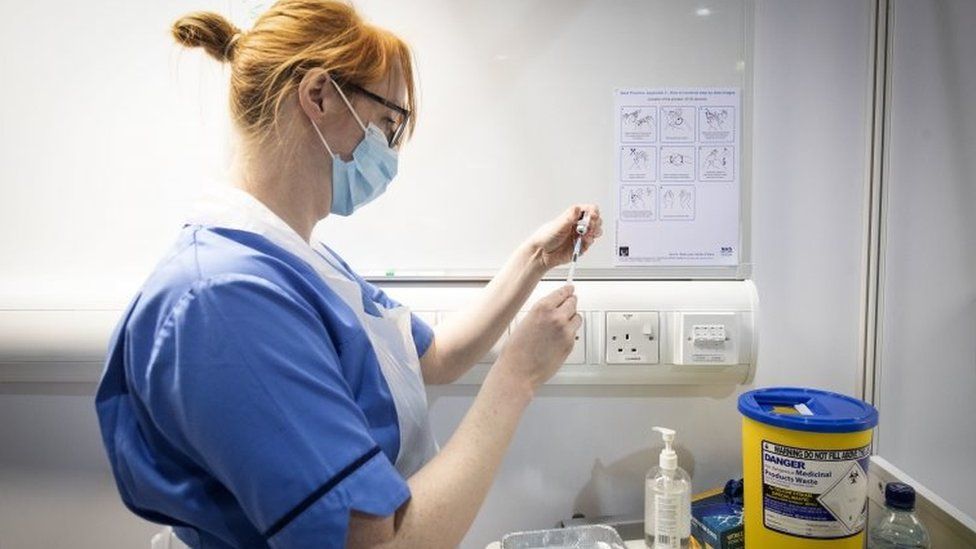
394	139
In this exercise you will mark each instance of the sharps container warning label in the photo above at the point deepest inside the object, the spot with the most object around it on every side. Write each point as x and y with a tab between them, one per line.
811	493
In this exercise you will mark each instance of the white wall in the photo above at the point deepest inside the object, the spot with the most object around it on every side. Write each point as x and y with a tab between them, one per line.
108	132
56	489
928	331
580	448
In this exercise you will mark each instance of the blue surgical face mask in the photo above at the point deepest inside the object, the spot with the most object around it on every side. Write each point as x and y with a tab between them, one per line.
373	166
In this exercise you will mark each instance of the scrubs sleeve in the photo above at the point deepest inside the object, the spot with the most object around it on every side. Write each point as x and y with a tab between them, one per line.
423	334
246	380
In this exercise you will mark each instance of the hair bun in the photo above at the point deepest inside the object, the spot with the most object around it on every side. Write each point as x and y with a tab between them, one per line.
208	30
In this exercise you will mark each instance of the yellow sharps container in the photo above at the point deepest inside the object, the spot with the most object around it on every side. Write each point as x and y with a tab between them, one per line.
805	458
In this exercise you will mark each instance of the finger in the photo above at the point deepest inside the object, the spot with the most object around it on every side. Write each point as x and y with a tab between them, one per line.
586	210
591	237
572	215
567	308
576	322
587	246
595	230
556	298
587	242
594	217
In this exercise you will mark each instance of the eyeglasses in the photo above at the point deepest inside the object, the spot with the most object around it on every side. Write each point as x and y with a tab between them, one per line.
397	135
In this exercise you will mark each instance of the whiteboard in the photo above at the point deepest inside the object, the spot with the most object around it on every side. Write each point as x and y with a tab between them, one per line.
111	131
517	118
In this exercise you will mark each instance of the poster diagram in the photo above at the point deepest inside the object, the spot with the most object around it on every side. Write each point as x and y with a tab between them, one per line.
677	202
638	202
638	163
676	157
677	163
717	163
716	124
638	124
677	123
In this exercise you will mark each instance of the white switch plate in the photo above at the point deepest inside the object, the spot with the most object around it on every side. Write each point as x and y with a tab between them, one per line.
706	339
578	354
632	337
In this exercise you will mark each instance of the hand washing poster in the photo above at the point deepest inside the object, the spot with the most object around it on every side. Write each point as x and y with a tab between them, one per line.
676	155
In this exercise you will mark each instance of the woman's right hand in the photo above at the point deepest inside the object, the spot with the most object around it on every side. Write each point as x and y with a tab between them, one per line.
543	339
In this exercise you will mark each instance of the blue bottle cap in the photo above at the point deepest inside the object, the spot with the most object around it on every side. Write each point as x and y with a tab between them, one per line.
900	496
808	410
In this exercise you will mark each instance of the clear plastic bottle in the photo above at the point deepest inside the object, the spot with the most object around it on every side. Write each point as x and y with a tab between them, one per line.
667	500
899	528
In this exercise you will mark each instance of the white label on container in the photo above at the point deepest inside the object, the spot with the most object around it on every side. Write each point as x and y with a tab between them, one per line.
803	409
812	493
667	508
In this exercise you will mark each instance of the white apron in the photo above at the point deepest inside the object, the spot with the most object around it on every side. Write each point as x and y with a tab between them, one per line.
390	334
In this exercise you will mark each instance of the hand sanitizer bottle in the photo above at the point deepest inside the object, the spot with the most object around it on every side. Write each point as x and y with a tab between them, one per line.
667	500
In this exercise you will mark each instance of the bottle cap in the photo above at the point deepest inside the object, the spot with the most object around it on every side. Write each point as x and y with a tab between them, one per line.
900	496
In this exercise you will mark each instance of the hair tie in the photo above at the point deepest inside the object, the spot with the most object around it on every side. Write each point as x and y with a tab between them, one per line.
230	44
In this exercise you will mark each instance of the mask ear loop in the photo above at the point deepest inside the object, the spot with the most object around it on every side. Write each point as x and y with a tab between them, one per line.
321	137
348	104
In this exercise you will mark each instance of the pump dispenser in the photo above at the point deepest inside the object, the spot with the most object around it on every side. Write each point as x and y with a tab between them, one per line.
668	458
667	500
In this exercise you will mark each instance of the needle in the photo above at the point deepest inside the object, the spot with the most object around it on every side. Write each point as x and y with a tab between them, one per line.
581	227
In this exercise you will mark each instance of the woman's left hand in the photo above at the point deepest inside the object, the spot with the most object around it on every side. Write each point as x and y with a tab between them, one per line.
553	242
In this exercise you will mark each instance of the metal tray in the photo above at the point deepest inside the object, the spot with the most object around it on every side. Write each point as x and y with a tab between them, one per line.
596	536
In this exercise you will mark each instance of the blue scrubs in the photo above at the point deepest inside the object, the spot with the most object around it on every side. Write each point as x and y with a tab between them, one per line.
243	403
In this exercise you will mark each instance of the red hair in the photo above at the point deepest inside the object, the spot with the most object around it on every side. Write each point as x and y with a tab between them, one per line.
293	36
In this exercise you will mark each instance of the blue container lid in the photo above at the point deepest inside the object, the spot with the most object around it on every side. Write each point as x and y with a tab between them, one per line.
808	410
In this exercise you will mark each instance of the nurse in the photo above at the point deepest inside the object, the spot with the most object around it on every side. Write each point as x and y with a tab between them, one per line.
258	392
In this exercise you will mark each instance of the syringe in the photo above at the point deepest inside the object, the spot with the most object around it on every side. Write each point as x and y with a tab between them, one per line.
581	227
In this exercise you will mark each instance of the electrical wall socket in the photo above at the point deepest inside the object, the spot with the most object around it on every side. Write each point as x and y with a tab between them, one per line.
632	337
707	339
578	354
